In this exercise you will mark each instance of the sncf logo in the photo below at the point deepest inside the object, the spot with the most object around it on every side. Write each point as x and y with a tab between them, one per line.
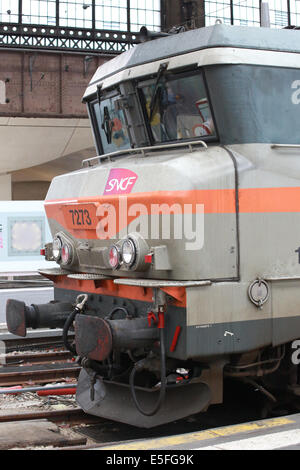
120	181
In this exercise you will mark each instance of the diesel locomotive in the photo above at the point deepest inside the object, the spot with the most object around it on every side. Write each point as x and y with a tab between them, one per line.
177	247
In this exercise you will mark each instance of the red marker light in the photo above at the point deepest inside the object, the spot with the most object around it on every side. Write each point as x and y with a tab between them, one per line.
114	257
66	254
148	259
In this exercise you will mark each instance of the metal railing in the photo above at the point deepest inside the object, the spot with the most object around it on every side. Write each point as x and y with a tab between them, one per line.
285	146
142	150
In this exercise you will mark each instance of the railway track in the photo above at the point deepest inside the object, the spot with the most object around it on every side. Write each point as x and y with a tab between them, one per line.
37	423
39	358
72	416
24	283
69	427
24	421
38	368
40	429
35	340
38	374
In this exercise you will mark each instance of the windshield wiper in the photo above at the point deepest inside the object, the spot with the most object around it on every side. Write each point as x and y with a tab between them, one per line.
162	68
99	87
107	125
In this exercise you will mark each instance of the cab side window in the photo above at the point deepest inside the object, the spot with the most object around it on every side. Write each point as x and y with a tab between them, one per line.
111	125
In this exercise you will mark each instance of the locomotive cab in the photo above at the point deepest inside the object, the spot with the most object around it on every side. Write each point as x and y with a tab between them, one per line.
176	266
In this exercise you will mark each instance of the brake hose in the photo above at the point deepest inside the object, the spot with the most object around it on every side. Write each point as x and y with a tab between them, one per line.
66	328
116	309
163	380
78	309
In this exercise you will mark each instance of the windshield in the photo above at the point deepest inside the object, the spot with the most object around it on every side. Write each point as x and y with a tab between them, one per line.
177	108
111	125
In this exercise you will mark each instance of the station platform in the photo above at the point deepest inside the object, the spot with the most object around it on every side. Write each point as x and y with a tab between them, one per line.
277	433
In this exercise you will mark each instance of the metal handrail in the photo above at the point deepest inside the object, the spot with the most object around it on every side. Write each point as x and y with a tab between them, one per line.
282	278
142	150
291	146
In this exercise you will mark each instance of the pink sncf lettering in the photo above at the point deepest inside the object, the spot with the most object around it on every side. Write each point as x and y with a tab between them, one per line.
120	181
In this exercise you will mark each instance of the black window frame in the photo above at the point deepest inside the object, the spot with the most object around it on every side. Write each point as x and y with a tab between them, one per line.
107	94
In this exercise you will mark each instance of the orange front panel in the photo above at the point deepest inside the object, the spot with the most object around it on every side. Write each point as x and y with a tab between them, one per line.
74	214
79	216
109	288
87	217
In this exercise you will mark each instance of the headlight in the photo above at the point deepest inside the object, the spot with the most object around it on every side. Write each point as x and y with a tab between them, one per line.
128	252
56	248
66	254
114	257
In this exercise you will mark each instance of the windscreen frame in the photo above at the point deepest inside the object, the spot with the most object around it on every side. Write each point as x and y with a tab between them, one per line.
173	75
92	103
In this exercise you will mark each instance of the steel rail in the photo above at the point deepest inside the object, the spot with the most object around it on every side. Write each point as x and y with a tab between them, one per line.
38	358
37	374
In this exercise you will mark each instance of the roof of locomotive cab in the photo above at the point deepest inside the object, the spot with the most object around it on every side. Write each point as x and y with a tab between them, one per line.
218	35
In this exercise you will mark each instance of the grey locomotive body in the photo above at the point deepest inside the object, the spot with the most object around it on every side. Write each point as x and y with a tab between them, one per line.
182	238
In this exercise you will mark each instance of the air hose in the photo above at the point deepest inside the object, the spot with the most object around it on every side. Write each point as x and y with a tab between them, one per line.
116	309
80	302
66	328
163	380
